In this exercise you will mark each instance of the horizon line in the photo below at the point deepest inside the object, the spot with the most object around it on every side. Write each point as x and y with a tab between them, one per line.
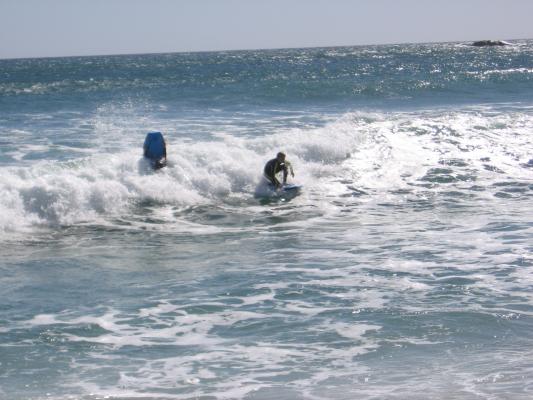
248	49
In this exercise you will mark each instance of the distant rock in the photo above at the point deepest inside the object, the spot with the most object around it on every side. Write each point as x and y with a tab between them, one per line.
483	43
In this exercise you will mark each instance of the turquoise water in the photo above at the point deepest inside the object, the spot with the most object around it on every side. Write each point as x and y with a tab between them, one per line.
404	269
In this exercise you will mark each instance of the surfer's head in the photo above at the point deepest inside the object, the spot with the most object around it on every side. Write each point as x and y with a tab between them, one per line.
280	157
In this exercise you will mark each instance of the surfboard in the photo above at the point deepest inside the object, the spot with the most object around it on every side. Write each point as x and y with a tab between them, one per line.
291	188
267	192
286	188
155	149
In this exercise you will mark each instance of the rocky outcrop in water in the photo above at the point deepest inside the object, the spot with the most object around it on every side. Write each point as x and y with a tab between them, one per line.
483	43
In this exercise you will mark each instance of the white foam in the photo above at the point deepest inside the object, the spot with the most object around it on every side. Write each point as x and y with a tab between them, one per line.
248	300
354	331
373	152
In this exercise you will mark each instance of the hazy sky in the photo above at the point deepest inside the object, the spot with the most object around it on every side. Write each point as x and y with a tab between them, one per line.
41	28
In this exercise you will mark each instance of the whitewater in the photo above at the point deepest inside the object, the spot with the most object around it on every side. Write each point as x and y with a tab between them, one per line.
403	269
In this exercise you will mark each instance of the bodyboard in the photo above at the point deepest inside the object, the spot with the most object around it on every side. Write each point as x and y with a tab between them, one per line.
155	149
291	187
154	146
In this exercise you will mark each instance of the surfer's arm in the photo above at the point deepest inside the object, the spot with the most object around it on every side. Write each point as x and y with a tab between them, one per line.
288	166
285	173
287	169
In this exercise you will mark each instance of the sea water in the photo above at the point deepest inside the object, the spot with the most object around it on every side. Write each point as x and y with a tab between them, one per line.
403	270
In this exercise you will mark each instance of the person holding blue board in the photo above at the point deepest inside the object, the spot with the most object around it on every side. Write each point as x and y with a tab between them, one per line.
275	166
155	150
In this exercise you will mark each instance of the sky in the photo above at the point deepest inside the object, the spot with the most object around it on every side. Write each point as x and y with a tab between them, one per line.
50	28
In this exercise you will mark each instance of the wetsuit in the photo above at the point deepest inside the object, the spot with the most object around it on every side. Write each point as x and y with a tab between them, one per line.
273	167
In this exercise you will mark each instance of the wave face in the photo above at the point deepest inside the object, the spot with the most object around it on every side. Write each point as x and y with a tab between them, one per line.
379	153
402	270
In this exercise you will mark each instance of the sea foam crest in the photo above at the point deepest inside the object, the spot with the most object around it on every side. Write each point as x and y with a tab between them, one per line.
105	185
367	151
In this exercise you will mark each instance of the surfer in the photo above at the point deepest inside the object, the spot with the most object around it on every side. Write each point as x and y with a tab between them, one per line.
155	150
275	166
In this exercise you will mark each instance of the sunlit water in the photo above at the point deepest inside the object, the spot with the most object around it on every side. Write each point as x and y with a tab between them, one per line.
404	269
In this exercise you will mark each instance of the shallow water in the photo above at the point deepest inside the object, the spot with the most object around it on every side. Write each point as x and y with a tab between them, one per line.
402	270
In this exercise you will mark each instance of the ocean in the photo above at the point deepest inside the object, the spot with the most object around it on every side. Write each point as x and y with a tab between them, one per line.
403	269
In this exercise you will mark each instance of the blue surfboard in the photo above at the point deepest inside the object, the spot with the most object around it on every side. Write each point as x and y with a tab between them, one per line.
291	188
286	188
268	192
155	149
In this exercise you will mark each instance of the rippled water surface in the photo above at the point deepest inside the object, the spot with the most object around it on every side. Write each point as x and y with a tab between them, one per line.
403	269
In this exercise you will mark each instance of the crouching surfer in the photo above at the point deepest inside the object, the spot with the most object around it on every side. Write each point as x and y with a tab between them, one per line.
155	150
275	166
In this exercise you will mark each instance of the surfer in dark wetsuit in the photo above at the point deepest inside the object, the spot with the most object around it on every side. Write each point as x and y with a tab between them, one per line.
276	165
